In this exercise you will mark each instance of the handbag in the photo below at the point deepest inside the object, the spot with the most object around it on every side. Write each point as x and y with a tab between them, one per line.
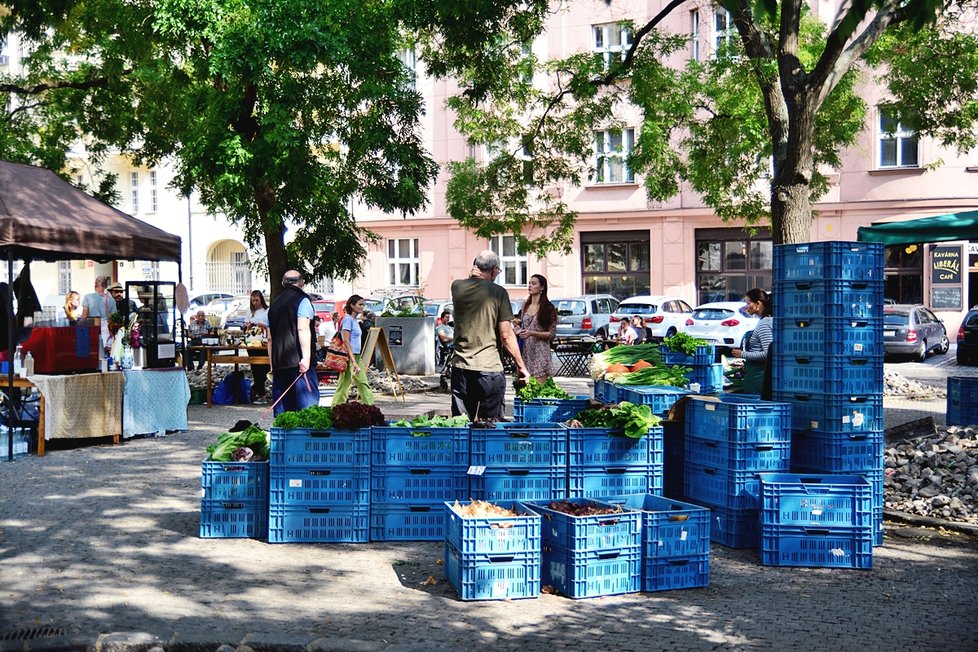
337	357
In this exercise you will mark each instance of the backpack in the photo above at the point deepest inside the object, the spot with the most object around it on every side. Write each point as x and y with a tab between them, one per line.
234	388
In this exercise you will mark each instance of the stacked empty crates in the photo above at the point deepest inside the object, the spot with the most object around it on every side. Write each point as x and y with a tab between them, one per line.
518	461
414	472
605	462
704	370
730	440
319	486
233	500
828	358
962	401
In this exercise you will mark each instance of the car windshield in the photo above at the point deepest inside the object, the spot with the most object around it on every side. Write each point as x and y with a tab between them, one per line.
713	313
638	308
567	308
375	305
971	320
895	318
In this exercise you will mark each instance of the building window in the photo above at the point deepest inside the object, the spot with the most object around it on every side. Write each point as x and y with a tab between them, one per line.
898	143
615	263
152	191
403	263
729	263
724	31
134	191
151	270
409	59
694	16
611	40
512	262
611	150
903	273
64	276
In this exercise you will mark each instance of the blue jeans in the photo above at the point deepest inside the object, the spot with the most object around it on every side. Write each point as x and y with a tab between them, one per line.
303	394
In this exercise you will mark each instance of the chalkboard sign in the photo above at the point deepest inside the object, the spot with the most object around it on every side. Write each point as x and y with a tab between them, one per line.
946	298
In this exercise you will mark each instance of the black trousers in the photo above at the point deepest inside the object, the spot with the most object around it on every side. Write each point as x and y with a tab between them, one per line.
479	394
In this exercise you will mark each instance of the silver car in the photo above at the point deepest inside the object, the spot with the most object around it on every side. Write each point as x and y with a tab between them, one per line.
586	315
913	330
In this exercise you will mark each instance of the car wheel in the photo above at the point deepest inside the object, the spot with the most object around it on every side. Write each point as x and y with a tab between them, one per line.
921	353
672	331
944	346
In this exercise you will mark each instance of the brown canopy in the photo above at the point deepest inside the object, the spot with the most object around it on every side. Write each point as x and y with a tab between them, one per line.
42	217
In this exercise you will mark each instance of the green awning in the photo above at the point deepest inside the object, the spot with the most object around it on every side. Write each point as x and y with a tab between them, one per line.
940	228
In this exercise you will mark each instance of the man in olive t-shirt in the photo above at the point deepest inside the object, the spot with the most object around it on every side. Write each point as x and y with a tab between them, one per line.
483	319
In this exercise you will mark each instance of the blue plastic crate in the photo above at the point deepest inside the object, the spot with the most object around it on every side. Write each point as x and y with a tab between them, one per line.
398	484
526	445
403	522
606	391
604	447
668	573
234	481
318	523
721	487
709	377
818	547
590	482
305	447
419	447
297	485
493	577
741	456
828	261
826	336
592	574
735	528
834	412
810	499
961	412
670	528
515	483
586	533
857	299
704	355
660	398
838	374
233	519
502	535
23	442
837	452
548	410
963	389
738	419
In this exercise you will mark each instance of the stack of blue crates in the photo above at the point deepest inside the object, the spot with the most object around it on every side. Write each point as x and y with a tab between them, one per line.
730	440
319	486
705	371
828	358
518	461
605	462
414	471
962	401
591	556
233	500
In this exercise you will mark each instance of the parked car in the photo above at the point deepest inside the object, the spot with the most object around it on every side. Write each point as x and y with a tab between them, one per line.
326	307
396	304
968	338
219	310
664	316
913	330
722	323
586	315
435	307
201	300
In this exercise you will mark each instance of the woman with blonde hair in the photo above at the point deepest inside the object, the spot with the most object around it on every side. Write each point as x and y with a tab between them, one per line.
73	309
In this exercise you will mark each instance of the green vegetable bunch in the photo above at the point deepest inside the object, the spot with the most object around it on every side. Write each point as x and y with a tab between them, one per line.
626	354
672	375
533	388
314	417
436	421
252	437
633	420
683	343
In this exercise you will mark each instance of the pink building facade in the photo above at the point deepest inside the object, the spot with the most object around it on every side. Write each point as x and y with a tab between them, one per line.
626	245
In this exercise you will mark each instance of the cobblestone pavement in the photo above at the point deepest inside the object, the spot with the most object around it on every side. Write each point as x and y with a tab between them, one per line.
99	550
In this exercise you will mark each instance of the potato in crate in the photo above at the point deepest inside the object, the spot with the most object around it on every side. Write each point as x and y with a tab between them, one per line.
480	527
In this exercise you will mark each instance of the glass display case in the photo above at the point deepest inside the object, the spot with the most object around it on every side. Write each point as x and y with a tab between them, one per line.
156	313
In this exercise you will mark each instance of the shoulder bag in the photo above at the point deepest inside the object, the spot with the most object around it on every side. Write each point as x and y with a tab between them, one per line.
337	357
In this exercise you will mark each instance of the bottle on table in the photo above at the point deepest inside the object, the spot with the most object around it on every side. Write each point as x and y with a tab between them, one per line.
29	364
19	360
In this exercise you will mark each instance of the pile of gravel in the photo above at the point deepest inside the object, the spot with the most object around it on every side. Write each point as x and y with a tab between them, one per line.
379	381
895	384
935	476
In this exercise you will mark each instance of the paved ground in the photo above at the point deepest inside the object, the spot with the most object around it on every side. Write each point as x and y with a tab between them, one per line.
99	550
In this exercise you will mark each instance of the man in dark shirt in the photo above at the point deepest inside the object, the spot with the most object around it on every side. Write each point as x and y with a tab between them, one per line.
291	343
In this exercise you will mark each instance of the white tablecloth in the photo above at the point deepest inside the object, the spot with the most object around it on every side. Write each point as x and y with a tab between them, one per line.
155	401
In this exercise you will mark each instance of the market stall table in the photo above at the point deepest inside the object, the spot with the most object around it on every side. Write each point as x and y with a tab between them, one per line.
574	354
230	355
78	406
155	400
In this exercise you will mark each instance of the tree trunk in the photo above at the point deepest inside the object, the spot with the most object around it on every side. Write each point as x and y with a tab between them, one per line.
791	212
791	206
275	254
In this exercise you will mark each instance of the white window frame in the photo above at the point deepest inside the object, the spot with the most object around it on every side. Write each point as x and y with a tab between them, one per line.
724	30
899	136
694	19
64	276
601	41
511	261
606	155
409	59
399	261
153	196
134	191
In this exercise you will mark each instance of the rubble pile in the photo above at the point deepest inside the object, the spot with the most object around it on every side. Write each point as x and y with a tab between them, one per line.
380	382
935	476
895	384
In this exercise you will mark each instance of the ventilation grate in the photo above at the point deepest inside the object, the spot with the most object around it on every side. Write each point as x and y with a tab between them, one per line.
30	633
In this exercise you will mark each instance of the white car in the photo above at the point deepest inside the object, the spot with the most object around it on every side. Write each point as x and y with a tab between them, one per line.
725	323
664	316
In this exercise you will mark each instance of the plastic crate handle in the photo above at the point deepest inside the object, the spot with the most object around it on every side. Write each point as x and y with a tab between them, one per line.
817	532
678	562
320	472
513	434
800	359
763	448
232	505
707	470
616	470
610	554
420	433
518	471
320	433
420	471
319	510
420	508
678	517
233	467
501	559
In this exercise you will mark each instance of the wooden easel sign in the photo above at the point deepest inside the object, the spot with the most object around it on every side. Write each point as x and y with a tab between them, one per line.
376	340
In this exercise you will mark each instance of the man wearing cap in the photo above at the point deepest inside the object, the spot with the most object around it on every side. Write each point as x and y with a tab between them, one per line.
121	305
291	343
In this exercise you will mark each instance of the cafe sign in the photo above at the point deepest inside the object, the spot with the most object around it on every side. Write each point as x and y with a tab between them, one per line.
945	265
